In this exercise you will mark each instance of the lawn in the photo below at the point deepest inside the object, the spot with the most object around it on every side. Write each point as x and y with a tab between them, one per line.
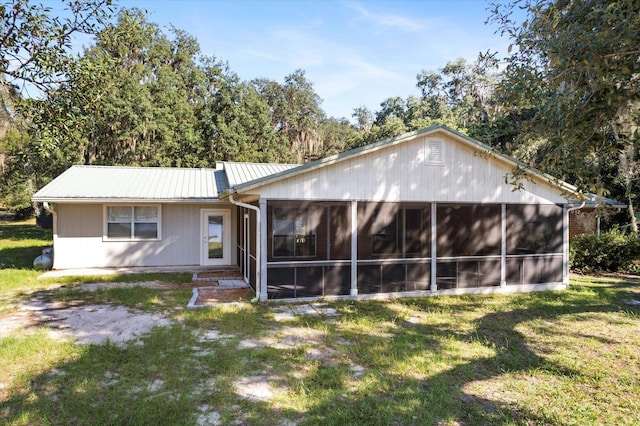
570	357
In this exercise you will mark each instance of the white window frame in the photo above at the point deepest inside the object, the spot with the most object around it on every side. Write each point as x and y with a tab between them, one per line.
105	222
307	213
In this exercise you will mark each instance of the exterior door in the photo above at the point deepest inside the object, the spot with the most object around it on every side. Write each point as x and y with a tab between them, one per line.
216	237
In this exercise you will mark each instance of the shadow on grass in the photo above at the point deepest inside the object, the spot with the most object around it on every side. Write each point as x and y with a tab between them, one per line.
171	378
440	398
26	242
22	231
166	382
19	257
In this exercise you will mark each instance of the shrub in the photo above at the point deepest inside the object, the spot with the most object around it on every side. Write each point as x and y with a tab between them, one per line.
611	251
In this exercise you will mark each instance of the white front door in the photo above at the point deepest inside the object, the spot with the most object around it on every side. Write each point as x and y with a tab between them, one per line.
216	237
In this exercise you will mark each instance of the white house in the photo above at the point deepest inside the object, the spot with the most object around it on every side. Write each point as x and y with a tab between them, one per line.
422	213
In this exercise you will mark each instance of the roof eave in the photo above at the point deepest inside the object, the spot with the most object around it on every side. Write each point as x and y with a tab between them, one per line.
93	200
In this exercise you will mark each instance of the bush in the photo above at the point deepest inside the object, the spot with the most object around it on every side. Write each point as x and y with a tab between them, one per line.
611	251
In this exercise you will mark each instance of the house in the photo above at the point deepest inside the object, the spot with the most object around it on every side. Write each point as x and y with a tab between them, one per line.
586	220
427	212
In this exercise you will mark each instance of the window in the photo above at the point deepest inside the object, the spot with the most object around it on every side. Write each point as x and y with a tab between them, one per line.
132	222
294	233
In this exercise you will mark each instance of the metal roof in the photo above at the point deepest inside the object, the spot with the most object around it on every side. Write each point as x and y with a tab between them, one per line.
100	183
593	200
241	173
104	183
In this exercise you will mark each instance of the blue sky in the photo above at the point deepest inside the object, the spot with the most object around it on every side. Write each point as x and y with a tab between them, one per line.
355	53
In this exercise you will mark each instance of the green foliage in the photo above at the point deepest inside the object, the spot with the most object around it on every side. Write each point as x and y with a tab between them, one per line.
572	75
35	43
611	251
234	119
337	135
295	113
35	52
16	178
129	101
459	95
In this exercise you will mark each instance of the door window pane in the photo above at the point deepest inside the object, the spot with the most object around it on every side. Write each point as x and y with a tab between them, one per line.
215	236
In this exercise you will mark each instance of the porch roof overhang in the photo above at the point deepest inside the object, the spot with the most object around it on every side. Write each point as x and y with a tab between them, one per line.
593	201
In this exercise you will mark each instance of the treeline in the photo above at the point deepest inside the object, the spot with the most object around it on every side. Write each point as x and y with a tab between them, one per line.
565	100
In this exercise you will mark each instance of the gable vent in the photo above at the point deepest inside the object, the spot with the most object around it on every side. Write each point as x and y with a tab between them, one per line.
435	154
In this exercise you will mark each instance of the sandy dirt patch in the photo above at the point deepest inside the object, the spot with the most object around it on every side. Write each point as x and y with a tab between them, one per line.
212	296
85	324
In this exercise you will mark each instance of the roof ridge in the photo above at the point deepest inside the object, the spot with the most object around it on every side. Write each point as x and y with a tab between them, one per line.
102	166
260	164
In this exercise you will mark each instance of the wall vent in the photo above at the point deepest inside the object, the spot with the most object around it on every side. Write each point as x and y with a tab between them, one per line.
435	151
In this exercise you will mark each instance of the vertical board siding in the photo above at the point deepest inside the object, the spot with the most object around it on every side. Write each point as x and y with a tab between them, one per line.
79	242
79	221
401	173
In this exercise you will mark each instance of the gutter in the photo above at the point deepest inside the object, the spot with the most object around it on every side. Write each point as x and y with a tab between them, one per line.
257	210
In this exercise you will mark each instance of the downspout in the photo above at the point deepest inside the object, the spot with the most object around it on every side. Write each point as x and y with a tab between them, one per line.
48	207
569	210
257	210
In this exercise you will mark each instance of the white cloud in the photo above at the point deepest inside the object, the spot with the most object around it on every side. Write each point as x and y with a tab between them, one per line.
388	20
262	54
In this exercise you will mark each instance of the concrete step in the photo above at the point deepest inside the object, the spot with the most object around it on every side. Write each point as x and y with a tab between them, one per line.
225	273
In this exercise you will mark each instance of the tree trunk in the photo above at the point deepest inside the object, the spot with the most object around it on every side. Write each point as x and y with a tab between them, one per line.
632	213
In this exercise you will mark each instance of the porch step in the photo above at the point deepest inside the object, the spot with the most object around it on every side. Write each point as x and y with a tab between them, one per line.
218	275
237	283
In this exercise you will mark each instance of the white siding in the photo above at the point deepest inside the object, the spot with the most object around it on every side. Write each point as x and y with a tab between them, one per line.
78	242
402	173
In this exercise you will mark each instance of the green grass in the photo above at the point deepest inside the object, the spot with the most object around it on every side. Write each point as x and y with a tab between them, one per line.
567	357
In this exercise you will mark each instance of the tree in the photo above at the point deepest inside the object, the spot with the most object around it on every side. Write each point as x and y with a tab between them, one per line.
363	117
337	135
629	175
573	72
35	53
35	43
131	100
460	94
234	119
295	113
